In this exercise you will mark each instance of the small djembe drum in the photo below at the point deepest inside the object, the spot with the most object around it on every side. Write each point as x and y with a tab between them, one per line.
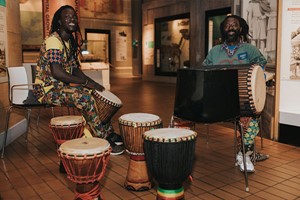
85	160
169	155
132	126
65	128
107	104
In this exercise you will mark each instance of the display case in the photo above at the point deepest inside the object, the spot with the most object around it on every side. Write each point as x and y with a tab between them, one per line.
94	51
94	61
171	44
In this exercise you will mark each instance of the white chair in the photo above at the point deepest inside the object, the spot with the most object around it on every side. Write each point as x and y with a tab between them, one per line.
19	85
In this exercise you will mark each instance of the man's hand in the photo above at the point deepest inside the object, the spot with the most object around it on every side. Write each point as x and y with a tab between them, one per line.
95	85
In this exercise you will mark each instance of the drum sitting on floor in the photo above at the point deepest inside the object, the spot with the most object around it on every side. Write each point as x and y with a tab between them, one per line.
252	90
65	128
85	160
169	155
132	126
107	104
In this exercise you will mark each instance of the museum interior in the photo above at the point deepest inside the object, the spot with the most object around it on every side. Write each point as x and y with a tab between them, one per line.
181	122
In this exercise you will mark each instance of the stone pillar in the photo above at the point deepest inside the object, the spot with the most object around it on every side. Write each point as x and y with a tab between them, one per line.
14	45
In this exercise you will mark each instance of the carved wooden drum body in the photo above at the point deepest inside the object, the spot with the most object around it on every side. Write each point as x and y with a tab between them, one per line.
132	127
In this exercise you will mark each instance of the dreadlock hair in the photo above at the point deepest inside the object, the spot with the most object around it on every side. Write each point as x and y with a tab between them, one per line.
245	28
75	38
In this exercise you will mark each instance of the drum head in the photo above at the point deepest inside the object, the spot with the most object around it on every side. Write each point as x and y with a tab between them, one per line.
67	120
139	117
170	135
110	96
258	85
84	146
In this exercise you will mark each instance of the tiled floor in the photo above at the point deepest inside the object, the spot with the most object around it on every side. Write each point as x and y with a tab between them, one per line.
30	171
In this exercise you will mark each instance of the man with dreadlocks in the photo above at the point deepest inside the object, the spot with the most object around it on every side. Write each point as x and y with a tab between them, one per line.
236	50
59	73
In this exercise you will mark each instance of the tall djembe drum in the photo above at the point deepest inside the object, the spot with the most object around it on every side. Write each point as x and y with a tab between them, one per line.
169	155
132	126
85	160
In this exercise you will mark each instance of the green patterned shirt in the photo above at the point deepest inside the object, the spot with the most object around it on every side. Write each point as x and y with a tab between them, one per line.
245	54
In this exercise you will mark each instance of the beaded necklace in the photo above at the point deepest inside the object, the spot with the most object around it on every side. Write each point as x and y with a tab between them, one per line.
67	49
231	51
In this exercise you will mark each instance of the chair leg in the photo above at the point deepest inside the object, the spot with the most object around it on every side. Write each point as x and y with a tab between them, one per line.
235	148
207	132
28	123
6	130
171	125
53	112
38	117
244	156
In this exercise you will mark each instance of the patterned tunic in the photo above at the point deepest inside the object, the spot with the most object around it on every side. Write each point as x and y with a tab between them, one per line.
56	92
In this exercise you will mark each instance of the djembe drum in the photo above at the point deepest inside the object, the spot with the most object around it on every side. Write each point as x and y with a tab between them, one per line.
85	160
169	156
132	126
252	90
65	128
107	104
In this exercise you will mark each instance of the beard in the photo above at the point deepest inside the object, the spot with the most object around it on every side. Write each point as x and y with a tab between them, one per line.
232	37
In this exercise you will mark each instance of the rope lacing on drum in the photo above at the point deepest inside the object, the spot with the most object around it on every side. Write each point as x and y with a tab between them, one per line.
92	194
78	178
170	140
134	153
140	124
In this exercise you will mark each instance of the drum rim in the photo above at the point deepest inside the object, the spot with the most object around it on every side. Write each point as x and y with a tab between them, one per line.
84	156
66	125
67	150
140	123
186	138
99	95
55	121
140	113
